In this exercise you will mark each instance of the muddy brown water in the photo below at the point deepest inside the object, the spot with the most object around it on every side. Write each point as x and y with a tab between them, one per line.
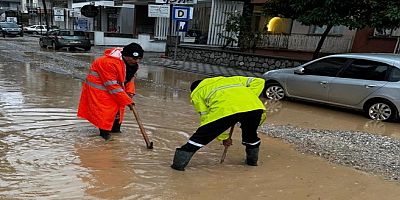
47	153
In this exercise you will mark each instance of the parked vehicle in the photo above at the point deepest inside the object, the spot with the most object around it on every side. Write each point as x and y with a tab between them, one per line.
35	29
39	29
65	38
10	28
366	82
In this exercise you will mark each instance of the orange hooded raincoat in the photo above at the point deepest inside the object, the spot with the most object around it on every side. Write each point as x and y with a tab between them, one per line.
103	92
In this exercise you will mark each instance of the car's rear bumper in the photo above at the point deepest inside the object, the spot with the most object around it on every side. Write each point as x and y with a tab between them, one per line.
81	44
12	32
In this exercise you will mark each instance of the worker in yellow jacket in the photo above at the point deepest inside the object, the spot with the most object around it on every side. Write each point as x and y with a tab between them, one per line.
221	103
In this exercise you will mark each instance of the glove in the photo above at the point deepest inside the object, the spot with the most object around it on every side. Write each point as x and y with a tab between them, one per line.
131	105
227	142
223	136
130	95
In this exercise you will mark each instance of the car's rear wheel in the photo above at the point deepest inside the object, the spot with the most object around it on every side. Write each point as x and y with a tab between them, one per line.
274	91
55	46
381	110
42	44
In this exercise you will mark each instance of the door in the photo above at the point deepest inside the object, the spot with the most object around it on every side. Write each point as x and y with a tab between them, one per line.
314	82
358	81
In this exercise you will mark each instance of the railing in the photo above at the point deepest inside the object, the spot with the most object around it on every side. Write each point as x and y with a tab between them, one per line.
275	41
332	44
397	48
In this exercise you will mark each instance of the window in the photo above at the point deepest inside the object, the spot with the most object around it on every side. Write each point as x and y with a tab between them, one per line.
387	32
336	30
79	33
365	69
394	75
64	33
325	67
9	25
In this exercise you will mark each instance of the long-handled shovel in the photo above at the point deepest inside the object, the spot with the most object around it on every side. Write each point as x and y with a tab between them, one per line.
149	144
226	147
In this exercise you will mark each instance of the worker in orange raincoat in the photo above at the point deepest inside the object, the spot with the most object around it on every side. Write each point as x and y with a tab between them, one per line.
109	87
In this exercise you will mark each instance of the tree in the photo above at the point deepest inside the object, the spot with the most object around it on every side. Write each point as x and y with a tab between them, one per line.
351	13
240	32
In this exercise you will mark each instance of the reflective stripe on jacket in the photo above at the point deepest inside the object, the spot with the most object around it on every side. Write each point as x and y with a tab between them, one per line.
103	93
218	97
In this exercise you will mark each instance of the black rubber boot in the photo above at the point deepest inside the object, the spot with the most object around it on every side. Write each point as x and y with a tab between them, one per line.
181	159
116	128
105	135
252	156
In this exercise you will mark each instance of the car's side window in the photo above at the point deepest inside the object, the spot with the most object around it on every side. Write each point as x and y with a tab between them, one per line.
394	75
325	67
367	70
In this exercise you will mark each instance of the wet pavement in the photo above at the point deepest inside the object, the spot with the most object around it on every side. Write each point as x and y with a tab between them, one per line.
47	153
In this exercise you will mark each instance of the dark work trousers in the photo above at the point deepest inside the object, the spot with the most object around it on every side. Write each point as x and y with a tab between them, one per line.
249	122
115	128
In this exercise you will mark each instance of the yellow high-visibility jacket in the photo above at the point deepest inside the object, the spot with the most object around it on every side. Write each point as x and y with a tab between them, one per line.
218	97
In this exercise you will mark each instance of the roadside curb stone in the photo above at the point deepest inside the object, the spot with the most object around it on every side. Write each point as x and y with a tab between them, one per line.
201	68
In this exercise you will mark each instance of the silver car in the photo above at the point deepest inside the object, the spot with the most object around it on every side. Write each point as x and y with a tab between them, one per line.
367	82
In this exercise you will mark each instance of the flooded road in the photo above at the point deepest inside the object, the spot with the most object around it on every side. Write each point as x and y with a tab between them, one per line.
47	153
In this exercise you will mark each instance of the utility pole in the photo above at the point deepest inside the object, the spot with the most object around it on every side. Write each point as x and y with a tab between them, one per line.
45	15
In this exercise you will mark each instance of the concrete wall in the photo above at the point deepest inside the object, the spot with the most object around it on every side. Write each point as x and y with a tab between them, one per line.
245	61
364	42
298	28
144	40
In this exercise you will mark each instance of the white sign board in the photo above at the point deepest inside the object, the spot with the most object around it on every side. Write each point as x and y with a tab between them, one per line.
182	2
58	11
158	10
58	18
75	13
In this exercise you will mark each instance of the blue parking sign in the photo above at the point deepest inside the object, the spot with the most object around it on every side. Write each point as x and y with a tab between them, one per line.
181	26
181	13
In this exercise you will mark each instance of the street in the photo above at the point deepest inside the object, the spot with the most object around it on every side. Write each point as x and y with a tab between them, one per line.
46	152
